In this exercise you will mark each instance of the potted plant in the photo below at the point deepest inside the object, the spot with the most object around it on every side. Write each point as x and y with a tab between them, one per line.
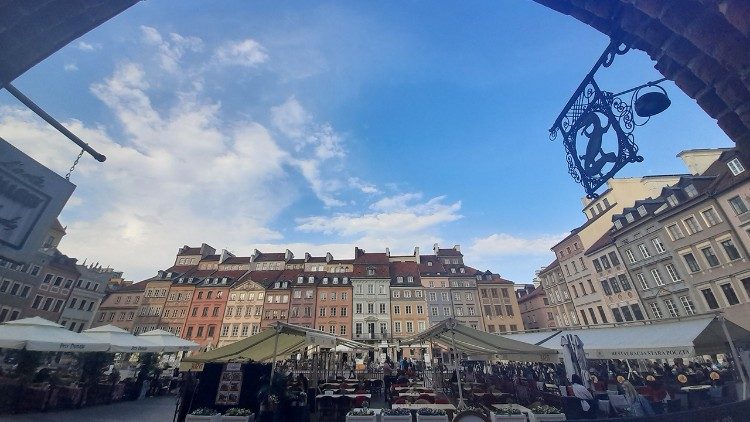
431	415
361	415
544	413
238	414
203	414
508	414
396	415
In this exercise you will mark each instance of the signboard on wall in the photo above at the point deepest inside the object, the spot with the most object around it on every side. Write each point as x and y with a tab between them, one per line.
31	197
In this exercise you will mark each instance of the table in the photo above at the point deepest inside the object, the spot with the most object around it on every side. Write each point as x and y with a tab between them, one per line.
524	410
351	396
412	406
695	388
415	394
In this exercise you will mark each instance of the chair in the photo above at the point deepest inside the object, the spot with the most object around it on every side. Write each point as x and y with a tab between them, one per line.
376	387
359	401
326	406
343	405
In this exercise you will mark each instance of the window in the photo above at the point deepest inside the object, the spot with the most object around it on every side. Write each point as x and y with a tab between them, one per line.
692	225
637	312
630	256
687	305
730	249
396	310
624	282
597	265
657	277
655	310
224	330
615	286
708	295
644	251
730	294
658	245
642	280
605	286
614	259
672	308
446	311
672	200
434	311
605	262
358	308
691	191
672	273
382	308
711	258
735	166
691	262
509	310
710	217
738	205
675	232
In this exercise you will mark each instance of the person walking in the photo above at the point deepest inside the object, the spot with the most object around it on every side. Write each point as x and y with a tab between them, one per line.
580	391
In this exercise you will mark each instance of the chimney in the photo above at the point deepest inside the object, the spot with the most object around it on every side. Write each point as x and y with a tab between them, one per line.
358	252
388	251
416	253
288	255
206	250
224	255
307	256
457	248
329	257
255	255
160	274
435	248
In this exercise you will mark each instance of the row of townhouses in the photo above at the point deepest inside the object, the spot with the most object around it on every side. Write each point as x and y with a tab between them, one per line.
218	298
654	247
54	286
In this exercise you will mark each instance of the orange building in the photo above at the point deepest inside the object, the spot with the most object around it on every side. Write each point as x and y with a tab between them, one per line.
333	306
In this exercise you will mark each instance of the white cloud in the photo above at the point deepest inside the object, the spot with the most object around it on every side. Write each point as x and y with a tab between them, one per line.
247	53
84	46
400	218
362	186
172	48
70	67
290	118
503	244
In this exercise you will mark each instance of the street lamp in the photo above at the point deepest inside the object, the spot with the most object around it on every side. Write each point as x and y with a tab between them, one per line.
594	119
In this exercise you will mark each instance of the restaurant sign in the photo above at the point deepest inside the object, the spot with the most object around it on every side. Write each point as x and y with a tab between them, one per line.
638	353
31	197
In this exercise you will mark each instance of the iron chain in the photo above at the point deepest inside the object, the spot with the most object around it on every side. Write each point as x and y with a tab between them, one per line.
73	167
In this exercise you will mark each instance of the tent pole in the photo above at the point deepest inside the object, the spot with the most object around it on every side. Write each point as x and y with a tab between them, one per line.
737	358
461	403
275	350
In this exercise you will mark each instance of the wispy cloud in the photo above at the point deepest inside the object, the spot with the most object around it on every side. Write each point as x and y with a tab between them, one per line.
247	53
70	67
504	244
84	46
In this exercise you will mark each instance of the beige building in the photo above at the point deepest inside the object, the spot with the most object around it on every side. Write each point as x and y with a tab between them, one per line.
408	307
535	310
556	289
498	303
244	311
120	307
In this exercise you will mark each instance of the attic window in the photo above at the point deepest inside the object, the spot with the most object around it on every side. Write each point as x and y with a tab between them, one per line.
410	279
284	284
310	280
462	270
300	279
629	217
642	210
346	280
325	280
479	277
618	224
399	279
453	270
335	280
691	191
672	200
371	271
276	285
429	263
735	166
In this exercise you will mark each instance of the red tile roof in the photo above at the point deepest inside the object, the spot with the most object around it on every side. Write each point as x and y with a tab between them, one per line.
238	260
275	256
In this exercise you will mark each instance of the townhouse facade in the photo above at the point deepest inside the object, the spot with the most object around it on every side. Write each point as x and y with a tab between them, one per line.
371	283
499	305
535	310
244	310
120	307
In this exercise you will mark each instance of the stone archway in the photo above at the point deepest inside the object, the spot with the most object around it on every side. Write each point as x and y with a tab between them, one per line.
701	45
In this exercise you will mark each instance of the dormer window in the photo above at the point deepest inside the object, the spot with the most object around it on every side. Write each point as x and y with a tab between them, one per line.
429	263
479	277
325	280
410	279
735	166
453	270
283	285
276	285
371	271
300	279
399	279
461	270
691	191
345	280
618	224
642	210
629	217
335	280
672	200
224	280
310	280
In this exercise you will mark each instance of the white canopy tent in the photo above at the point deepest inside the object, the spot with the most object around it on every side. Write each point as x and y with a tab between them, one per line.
39	334
168	342
464	339
121	340
659	340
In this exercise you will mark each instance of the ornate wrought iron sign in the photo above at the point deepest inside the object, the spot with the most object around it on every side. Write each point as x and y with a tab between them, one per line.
597	126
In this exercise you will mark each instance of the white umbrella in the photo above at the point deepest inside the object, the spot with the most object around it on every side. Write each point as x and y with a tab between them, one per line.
168	341
45	336
121	340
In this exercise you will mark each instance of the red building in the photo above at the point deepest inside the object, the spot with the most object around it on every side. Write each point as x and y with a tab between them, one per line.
207	308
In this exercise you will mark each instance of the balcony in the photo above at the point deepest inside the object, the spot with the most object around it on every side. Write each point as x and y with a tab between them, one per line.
371	336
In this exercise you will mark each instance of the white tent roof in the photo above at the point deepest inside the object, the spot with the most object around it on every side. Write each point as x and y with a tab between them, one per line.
666	340
476	342
167	341
260	347
42	335
121	340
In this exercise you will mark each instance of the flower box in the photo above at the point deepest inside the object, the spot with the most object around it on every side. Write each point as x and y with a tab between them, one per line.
432	418
249	418
396	418
201	418
550	417
508	418
358	418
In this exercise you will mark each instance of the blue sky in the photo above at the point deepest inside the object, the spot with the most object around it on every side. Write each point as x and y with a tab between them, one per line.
323	125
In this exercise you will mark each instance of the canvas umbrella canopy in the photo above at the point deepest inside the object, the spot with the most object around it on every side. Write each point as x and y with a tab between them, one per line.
121	340
168	342
39	334
281	339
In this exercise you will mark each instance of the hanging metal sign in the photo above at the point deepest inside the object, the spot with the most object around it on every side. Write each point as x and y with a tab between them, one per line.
31	197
